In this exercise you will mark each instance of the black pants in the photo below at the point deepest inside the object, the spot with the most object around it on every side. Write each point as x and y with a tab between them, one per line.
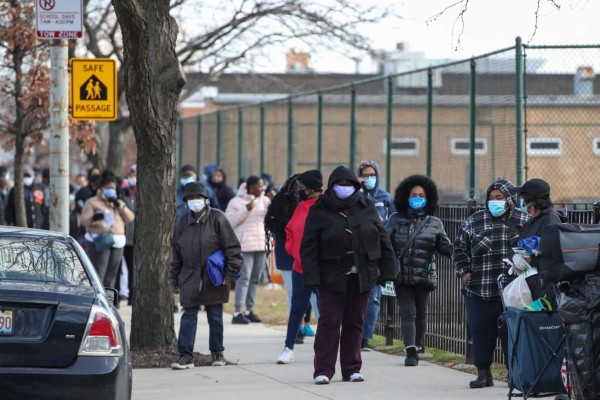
413	313
483	324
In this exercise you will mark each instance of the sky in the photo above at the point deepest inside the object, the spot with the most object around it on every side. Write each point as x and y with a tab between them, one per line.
488	25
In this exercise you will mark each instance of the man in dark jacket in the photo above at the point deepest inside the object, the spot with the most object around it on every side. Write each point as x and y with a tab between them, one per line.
535	197
370	179
198	235
35	202
345	251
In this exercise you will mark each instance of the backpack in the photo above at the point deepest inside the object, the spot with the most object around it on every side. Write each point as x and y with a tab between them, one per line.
569	251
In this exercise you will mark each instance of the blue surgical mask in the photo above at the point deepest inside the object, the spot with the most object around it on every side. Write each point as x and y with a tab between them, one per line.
417	203
71	198
185	181
496	207
109	193
523	206
343	192
370	182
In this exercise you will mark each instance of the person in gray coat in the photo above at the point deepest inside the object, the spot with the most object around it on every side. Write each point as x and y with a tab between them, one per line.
202	232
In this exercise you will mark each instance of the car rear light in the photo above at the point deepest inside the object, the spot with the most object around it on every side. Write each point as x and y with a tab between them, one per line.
102	336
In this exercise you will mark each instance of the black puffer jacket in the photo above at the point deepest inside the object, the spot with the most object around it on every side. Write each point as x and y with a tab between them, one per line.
340	234
418	263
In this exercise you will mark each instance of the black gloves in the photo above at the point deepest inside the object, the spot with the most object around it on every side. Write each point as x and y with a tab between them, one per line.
116	202
99	216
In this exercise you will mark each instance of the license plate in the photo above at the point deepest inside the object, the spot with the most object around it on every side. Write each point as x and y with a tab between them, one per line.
6	322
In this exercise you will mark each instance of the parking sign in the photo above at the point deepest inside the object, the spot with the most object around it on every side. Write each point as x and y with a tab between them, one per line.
59	19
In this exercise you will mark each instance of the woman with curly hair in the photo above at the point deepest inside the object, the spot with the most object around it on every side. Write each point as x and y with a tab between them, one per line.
416	235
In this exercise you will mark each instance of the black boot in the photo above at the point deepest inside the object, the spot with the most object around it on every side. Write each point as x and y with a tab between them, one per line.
484	378
412	359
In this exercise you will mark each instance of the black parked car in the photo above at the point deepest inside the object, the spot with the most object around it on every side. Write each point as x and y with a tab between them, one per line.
60	335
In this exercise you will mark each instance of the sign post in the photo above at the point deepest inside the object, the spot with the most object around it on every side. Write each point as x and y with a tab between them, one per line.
93	89
59	20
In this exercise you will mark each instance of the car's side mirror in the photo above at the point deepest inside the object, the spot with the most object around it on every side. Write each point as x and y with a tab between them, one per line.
113	296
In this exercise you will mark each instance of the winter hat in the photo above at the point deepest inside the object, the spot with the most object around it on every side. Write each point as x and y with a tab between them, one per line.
312	179
537	188
192	189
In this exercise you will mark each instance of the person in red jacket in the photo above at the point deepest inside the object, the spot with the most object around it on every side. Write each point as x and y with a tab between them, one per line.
310	186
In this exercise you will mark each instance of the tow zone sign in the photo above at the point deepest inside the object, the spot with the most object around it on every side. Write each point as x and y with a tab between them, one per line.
59	19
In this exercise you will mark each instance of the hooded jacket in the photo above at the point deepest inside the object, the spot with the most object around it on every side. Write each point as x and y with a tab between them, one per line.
340	234
483	241
294	231
223	191
248	225
384	201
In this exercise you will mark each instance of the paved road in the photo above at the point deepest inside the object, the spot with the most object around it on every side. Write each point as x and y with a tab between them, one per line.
256	348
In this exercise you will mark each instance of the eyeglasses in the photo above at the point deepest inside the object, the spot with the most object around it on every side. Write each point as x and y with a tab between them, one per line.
369	176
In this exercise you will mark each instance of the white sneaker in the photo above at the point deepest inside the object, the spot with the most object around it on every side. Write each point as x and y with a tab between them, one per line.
322	380
286	356
355	377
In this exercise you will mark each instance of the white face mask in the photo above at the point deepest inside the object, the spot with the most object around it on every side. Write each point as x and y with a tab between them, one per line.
196	205
28	180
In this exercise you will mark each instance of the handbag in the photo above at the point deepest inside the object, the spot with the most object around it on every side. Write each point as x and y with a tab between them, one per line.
274	274
103	241
215	267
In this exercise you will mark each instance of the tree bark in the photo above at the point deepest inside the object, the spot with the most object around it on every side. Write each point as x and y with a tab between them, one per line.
19	191
153	79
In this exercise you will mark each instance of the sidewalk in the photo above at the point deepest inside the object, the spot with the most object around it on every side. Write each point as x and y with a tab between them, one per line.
256	348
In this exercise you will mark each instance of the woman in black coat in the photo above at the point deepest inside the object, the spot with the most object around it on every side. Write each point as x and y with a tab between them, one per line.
413	223
345	251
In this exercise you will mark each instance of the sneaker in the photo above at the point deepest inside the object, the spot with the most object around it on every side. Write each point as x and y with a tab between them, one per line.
299	337
286	356
184	362
307	330
240	319
364	345
218	360
322	380
252	317
355	377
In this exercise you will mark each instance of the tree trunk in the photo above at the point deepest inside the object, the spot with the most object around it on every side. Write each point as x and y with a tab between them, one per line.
117	143
19	193
153	79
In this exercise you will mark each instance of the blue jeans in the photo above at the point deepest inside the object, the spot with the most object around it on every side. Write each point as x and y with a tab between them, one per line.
483	324
189	323
300	301
372	312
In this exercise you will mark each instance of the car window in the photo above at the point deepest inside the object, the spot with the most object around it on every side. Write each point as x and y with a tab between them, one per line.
40	260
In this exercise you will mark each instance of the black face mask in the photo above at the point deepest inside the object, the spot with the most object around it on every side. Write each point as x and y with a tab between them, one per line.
303	196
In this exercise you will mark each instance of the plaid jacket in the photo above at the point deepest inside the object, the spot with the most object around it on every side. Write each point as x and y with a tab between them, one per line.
483	241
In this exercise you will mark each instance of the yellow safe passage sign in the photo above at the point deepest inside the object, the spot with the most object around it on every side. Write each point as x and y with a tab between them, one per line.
93	89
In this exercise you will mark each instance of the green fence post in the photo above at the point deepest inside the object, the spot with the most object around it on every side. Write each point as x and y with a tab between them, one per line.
291	144
352	127
218	146
198	139
240	141
319	131
429	119
388	133
519	108
180	147
473	110
262	138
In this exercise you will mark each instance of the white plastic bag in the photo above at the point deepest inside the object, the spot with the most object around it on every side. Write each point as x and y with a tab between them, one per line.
517	293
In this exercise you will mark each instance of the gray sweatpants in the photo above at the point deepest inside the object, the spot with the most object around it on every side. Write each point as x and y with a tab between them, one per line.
246	287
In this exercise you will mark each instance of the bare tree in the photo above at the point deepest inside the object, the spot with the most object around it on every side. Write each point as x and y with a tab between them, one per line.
230	33
153	80
25	86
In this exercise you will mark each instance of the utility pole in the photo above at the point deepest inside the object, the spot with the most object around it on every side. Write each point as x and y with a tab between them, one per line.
59	136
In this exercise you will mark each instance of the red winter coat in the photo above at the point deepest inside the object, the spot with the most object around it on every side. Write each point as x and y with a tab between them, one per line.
294	231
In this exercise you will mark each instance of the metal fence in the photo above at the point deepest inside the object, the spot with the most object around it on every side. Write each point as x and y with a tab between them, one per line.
519	112
446	320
